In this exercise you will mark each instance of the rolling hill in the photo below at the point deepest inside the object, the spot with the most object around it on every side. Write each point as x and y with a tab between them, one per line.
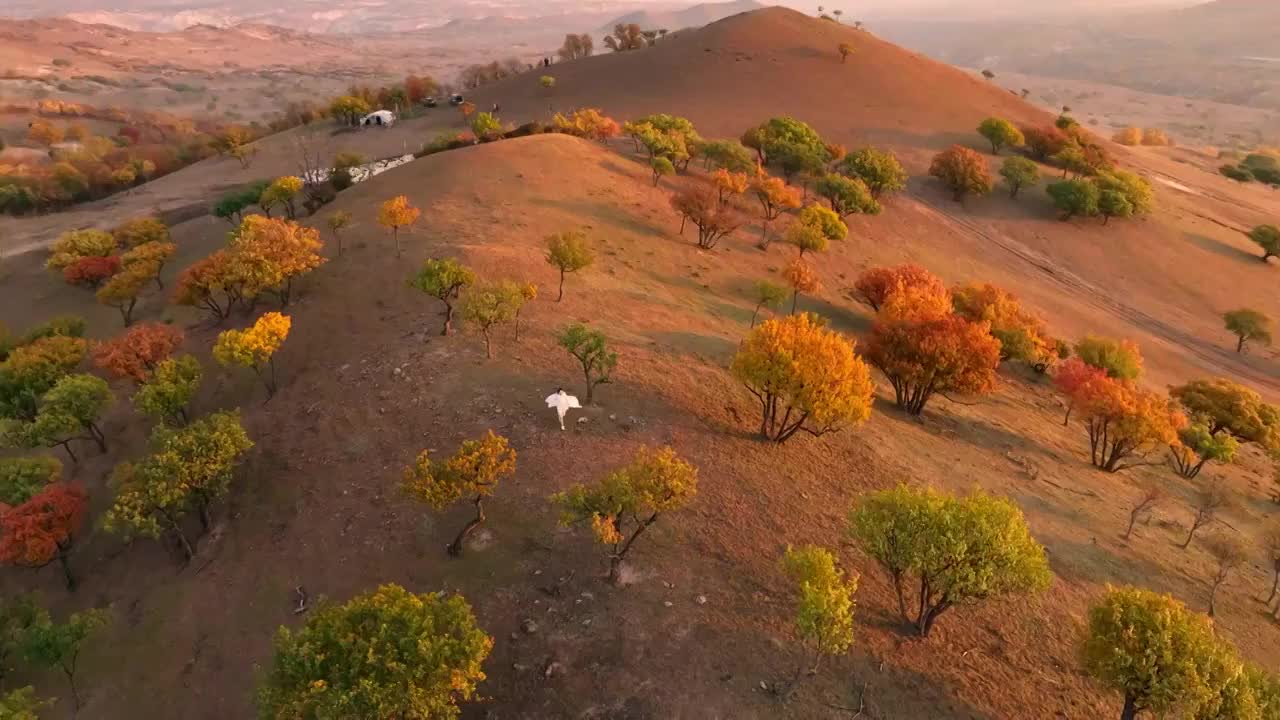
367	382
690	17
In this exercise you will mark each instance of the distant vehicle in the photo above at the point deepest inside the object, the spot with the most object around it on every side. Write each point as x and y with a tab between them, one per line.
431	102
379	118
456	100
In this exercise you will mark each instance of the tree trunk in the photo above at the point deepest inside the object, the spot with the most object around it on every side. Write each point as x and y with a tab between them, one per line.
1133	519
1240	344
455	547
561	295
755	314
902	598
795	295
1275	583
71	680
448	318
1186	543
1130	710
98	437
1067	418
64	561
488	344
395	236
1213	595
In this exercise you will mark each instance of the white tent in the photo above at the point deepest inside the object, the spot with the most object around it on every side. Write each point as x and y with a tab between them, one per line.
383	118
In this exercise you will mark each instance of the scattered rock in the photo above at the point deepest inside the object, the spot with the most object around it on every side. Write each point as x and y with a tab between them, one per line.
582	421
552	669
586	623
613	417
519	667
587	595
667	603
701	599
515	636
529	626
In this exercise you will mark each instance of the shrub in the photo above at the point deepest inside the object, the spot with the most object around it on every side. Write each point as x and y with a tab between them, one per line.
443	280
1155	137
1151	649
337	222
628	500
963	171
136	352
1248	325
824	603
1019	173
473	471
879	169
547	82
489	304
485	126
961	550
397	213
255	347
1267	237
1000	133
188	469
76	244
1121	359
166	394
21	478
387	653
805	377
1236	173
592	352
845	50
1123	420
922	356
141	231
1128	136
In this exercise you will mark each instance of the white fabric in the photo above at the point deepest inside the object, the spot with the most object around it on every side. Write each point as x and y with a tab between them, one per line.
562	403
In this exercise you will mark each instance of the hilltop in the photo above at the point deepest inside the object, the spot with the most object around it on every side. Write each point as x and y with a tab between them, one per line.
367	382
690	17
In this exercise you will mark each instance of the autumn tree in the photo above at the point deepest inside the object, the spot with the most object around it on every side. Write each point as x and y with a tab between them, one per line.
1266	237
775	197
153	256
268	254
1070	376
627	501
791	145
255	347
71	410
125	287
847	196
576	46
1228	553
489	304
42	527
91	272
728	184
805	377
661	168
926	355
730	155
1248	325
32	368
801	277
1075	198
1018	173
473	472
590	348
397	213
1225	406
1209	502
1124	421
211	284
1044	142
963	171
337	222
1150	649
875	285
141	231
701	206
167	392
1121	359
135	353
77	244
21	478
1150	496
57	646
1000	133
769	295
348	109
1271	543
878	169
444	280
485	126
22	704
625	37
387	654
1196	447
188	469
1021	334
281	191
824	604
960	550
845	49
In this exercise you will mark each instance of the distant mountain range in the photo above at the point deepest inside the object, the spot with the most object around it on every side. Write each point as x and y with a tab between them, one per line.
695	16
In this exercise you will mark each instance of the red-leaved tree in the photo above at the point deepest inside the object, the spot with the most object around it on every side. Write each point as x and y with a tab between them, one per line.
135	353
91	271
876	284
43	528
1124	422
927	354
1070	376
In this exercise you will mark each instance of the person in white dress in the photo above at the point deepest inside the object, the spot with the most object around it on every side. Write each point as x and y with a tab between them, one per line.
562	402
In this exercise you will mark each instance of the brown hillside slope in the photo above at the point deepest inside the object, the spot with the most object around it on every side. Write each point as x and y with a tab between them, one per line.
743	69
367	382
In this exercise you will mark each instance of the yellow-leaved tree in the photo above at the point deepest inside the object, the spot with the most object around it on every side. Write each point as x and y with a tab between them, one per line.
628	500
267	254
805	376
473	472
397	213
824	606
255	347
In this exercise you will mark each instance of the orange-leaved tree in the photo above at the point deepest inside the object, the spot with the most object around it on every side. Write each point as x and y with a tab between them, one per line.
153	254
701	206
1125	421
776	197
805	376
963	171
91	271
1021	334
397	213
42	529
255	347
473	472
1069	376
728	184
135	353
802	279
626	502
269	253
210	283
125	287
926	354
877	284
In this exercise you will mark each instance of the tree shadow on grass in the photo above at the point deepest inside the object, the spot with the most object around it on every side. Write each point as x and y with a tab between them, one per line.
604	214
840	317
1218	247
710	347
